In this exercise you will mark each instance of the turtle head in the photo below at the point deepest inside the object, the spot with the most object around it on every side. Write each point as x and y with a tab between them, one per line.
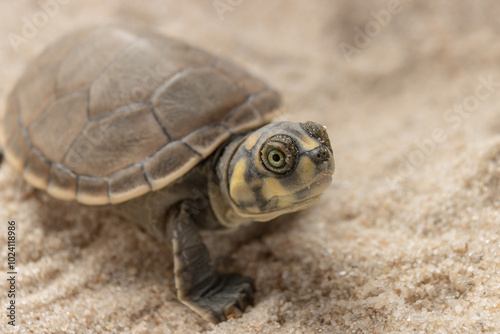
280	168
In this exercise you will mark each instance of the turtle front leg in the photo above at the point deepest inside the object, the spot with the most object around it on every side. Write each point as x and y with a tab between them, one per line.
213	296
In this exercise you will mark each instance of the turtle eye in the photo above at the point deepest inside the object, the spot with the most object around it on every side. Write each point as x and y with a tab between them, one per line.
276	158
279	154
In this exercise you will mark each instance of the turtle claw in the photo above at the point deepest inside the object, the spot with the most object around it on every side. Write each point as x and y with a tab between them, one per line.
226	299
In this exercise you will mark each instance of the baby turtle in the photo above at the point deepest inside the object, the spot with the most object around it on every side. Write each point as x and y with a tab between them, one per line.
171	136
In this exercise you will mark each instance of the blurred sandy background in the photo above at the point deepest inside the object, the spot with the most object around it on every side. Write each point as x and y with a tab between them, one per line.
405	241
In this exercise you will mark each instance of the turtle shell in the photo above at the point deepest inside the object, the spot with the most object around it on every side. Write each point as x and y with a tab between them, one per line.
111	113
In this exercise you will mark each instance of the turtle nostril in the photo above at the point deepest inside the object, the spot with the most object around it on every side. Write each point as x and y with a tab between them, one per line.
321	155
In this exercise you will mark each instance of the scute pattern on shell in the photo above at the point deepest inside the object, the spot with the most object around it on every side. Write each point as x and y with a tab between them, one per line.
110	113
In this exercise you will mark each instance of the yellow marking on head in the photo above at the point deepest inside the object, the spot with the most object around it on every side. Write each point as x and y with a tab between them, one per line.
238	188
287	202
307	142
238	176
306	169
251	140
241	194
273	187
252	209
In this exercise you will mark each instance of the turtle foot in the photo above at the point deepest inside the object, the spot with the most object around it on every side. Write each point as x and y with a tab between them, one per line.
225	299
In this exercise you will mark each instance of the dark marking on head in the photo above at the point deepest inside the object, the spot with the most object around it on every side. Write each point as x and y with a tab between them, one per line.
317	131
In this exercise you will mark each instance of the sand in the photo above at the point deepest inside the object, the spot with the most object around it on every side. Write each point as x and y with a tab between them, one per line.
407	238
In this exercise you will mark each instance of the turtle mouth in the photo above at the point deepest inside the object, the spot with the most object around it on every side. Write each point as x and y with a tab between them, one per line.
316	187
306	196
299	200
